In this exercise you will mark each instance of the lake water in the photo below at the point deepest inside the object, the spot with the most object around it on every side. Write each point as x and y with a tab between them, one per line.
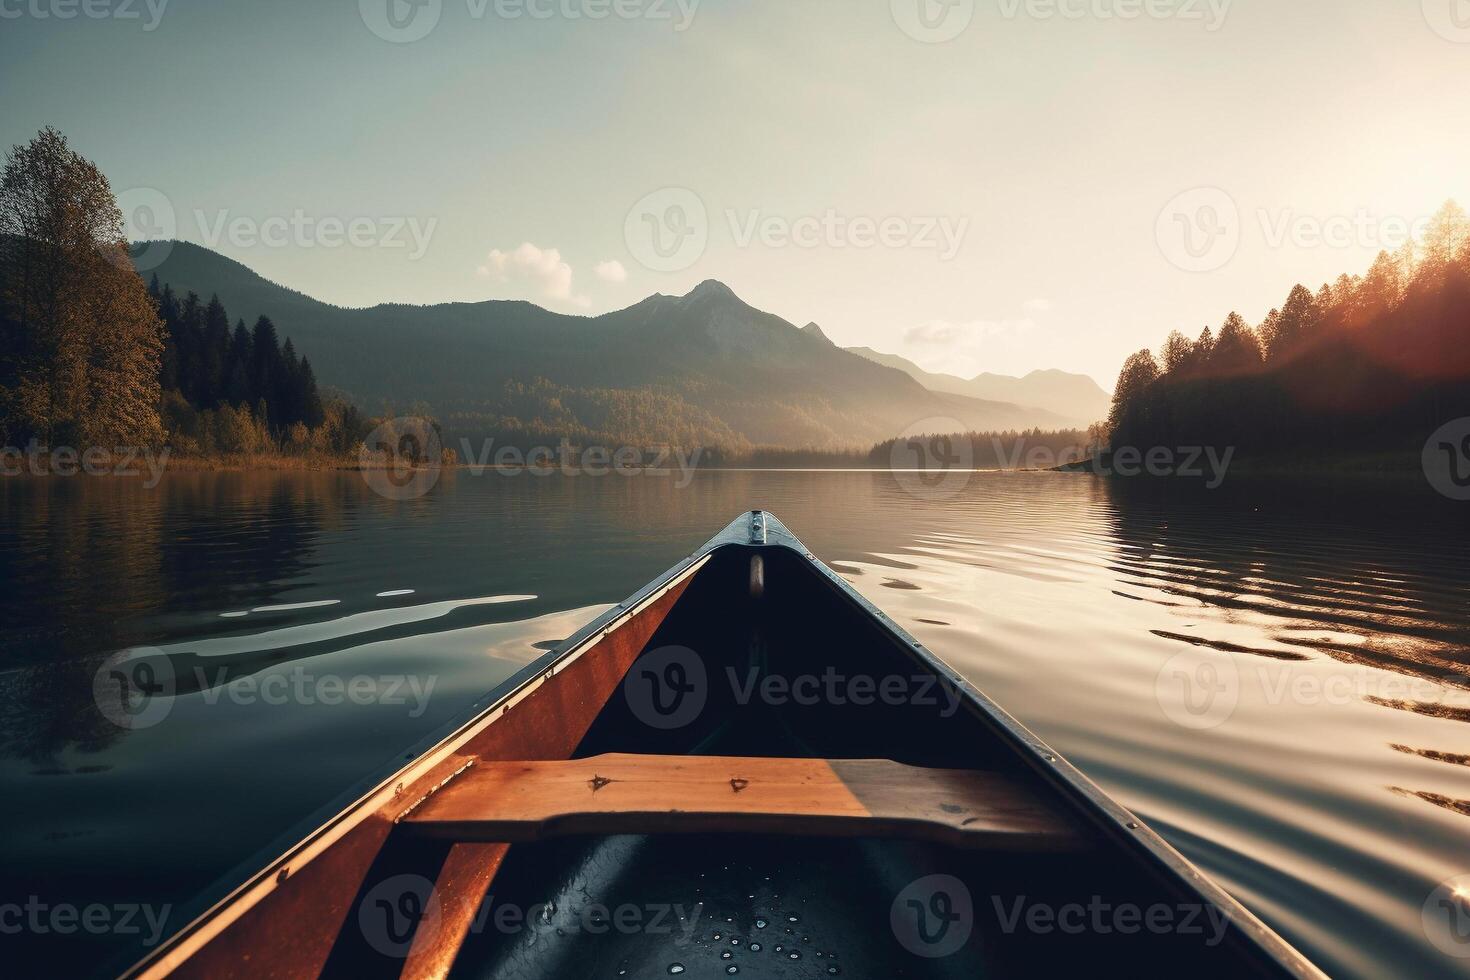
1272	674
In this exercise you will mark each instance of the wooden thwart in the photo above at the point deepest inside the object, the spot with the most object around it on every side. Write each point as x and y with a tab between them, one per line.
513	802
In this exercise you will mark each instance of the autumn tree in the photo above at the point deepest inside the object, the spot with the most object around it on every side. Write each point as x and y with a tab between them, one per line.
82	341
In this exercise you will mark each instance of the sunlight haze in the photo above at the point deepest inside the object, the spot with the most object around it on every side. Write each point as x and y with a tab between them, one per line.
1046	146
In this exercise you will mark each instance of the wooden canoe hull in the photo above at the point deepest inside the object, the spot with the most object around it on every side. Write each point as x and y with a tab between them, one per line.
750	604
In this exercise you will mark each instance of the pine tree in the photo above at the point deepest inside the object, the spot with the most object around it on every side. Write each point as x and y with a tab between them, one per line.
214	352
313	413
265	367
289	401
237	371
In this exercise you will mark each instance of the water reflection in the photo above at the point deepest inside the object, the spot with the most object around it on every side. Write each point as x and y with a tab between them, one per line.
1330	796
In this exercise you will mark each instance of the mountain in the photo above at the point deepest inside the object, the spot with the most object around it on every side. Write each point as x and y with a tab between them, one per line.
704	368
1075	396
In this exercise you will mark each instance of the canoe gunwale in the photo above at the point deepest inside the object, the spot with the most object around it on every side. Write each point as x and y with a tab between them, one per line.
1089	800
429	753
754	532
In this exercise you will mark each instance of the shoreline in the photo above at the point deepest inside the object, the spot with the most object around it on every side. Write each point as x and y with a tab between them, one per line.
1392	466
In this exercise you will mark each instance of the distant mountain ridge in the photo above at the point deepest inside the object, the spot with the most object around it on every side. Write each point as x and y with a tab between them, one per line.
700	369
1075	396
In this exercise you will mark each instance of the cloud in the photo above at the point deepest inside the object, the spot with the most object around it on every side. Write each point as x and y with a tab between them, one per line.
1004	345
610	271
541	268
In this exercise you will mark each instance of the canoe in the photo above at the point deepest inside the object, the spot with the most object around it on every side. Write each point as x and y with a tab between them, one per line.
745	768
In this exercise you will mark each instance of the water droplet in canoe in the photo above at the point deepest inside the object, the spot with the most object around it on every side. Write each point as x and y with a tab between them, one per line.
726	955
755	947
794	955
833	971
734	940
793	918
732	968
676	967
760	923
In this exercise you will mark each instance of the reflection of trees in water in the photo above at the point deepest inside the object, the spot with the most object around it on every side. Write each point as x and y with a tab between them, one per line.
1277	550
1398	580
95	565
233	538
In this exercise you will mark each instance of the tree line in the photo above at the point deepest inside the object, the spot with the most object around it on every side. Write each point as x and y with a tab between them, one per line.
1371	364
89	356
234	390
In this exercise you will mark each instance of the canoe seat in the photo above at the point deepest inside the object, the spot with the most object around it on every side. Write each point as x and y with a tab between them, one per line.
513	802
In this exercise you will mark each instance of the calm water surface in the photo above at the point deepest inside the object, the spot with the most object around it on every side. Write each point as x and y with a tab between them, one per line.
1272	675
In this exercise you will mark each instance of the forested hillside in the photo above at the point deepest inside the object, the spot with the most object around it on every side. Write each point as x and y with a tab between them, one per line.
1368	364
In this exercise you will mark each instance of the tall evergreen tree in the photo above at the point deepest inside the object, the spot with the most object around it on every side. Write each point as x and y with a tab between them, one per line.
266	368
215	351
313	412
237	367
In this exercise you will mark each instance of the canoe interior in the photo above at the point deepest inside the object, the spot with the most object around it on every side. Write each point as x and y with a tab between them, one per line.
825	904
694	904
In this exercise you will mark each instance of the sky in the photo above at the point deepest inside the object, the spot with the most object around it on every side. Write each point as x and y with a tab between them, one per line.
979	185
